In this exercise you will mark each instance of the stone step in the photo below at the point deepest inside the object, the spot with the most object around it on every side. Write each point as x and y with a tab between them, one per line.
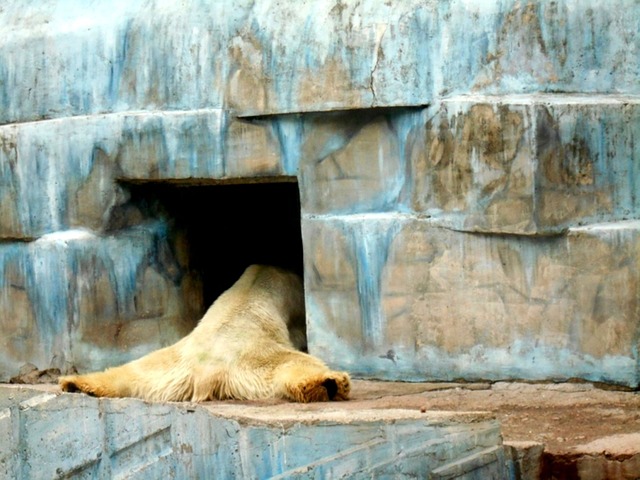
49	435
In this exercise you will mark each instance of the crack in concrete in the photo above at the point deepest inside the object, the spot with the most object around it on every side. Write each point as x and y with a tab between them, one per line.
382	29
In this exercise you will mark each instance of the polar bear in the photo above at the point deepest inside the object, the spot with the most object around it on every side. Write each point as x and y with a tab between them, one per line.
241	349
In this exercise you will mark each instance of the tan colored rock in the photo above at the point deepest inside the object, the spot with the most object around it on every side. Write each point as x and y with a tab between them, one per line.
328	262
526	164
21	337
360	176
526	458
99	194
251	150
468	305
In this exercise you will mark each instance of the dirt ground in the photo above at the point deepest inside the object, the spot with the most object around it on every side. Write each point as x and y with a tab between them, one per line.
561	416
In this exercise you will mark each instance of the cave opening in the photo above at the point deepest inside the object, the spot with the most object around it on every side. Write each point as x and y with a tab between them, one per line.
229	226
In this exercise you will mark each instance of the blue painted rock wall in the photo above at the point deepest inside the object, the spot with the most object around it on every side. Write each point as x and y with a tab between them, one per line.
432	303
74	299
60	59
477	223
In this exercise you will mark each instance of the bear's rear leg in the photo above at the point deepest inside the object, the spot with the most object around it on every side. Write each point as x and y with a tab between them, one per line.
94	384
304	379
320	387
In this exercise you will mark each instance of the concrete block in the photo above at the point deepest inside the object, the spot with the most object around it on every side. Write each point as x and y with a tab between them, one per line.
254	149
127	438
137	449
527	164
171	145
56	175
202	145
65	173
528	47
55	444
77	299
356	176
432	303
518	164
525	459
356	162
330	56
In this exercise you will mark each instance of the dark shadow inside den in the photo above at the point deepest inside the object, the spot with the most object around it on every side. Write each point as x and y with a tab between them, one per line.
229	226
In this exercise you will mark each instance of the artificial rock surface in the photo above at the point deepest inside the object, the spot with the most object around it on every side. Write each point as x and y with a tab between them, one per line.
266	57
78	300
433	303
547	431
467	177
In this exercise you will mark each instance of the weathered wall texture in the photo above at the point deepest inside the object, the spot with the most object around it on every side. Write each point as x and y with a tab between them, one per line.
435	303
480	222
59	60
74	298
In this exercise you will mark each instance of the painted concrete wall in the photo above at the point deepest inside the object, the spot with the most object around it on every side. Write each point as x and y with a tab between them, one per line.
482	238
60	59
480	223
74	299
400	298
251	57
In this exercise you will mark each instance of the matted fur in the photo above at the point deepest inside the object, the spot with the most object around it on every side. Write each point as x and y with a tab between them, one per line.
241	349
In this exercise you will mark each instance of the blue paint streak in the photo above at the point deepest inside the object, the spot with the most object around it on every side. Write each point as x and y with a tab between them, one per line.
116	64
407	126
370	241
289	130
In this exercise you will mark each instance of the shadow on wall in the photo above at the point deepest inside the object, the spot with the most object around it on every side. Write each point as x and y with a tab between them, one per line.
228	226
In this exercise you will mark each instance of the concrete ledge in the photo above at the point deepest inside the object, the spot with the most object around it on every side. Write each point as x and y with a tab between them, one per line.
575	430
48	435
